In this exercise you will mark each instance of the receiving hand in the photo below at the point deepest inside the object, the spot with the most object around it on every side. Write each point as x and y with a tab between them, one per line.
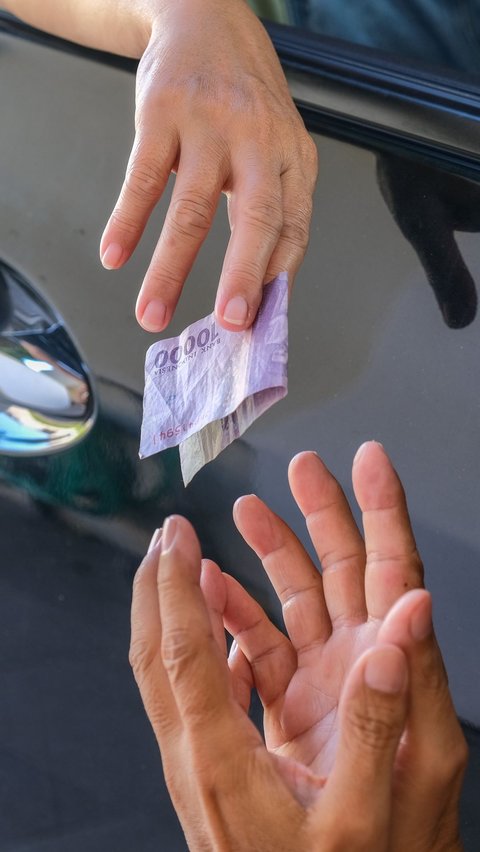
213	106
363	748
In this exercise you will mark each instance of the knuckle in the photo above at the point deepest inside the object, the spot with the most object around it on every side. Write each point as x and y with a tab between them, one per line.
191	216
446	767
310	154
126	223
178	652
160	715
376	728
166	278
303	157
186	660
264	213
144	179
174	781
296	227
405	567
141	656
247	273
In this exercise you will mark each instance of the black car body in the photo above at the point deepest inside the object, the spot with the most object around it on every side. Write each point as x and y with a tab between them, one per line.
384	344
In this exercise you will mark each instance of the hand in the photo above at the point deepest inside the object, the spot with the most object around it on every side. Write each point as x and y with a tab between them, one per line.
364	750
331	619
213	106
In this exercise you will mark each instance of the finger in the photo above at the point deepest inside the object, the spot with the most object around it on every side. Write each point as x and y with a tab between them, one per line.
435	753
297	213
242	676
255	210
393	562
272	659
197	669
214	591
292	573
373	710
148	170
335	537
202	172
145	649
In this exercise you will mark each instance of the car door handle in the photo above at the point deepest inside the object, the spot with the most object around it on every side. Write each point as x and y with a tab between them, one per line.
47	400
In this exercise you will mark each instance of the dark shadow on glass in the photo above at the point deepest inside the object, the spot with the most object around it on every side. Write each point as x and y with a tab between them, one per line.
428	206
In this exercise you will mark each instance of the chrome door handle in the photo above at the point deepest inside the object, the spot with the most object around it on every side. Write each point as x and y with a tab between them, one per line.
46	393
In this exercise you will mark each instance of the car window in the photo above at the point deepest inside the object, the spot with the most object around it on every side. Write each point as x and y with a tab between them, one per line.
439	32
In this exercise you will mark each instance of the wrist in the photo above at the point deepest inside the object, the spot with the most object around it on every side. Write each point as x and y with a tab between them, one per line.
150	16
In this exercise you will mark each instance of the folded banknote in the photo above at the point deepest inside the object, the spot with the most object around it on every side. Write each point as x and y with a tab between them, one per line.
204	388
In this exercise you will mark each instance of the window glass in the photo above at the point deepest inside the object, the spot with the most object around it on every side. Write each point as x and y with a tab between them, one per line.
440	32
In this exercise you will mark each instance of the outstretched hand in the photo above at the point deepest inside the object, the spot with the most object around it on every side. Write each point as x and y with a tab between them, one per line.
370	592
213	106
363	748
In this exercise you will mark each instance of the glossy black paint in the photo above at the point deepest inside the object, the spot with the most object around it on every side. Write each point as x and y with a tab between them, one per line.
383	343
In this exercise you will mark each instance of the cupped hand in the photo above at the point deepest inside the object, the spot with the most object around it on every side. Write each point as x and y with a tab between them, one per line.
363	748
330	617
213	106
370	591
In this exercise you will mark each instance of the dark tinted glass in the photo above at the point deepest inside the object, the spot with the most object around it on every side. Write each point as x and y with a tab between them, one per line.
439	32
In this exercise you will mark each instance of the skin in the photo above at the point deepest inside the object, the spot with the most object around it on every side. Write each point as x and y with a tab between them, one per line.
362	750
213	106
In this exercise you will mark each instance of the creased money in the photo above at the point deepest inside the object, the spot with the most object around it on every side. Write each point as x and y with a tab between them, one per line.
204	388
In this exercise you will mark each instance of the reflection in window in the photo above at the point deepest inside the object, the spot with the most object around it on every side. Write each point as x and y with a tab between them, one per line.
430	206
441	32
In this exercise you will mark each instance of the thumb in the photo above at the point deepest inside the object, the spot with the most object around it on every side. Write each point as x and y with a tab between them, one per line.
373	711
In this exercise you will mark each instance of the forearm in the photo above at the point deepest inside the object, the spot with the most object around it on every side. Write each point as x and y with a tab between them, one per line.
117	26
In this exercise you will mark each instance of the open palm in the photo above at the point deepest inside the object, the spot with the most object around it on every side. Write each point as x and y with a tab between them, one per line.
331	617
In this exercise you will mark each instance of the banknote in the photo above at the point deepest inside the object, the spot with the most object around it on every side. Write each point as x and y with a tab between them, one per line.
204	388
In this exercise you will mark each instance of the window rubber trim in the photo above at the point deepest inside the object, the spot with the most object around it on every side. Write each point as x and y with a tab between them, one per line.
328	76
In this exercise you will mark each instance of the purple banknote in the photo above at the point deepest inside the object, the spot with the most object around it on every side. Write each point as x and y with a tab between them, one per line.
204	388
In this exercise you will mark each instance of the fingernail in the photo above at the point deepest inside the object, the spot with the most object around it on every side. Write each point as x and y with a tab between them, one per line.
386	671
239	500
361	450
169	533
236	311
156	537
153	317
112	256
421	622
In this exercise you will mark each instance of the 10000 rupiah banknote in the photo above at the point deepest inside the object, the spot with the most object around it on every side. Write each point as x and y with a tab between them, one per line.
204	388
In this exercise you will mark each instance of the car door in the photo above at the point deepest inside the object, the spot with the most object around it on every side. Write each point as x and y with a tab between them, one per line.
383	344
